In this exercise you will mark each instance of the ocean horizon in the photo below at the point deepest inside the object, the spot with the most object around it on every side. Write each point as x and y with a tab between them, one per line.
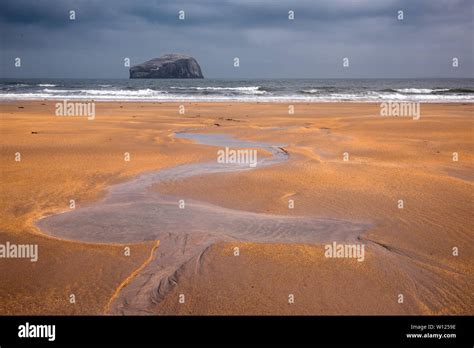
426	90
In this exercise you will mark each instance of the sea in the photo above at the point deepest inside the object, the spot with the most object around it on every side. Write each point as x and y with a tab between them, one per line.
240	90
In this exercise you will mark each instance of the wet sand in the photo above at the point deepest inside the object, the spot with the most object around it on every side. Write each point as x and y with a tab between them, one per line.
408	251
131	212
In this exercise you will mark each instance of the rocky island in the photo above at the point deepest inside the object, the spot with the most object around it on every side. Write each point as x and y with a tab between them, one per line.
168	66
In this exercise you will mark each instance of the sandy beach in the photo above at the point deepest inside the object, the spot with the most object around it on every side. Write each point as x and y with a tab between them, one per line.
408	251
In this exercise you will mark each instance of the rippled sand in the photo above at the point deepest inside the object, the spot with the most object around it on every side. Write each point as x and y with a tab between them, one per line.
408	251
131	212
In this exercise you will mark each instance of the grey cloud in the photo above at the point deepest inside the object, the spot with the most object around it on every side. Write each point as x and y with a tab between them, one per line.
257	31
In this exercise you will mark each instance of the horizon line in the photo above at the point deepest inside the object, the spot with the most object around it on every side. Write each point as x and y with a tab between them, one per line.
243	78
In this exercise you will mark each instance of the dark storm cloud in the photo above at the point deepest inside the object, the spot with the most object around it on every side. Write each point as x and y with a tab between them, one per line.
256	31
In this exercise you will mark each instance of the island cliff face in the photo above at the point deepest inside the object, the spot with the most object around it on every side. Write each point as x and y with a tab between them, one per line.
168	66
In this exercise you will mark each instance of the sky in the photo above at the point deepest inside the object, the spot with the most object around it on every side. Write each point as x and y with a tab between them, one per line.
258	32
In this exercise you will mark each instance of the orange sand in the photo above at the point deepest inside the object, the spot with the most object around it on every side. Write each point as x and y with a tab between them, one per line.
409	251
